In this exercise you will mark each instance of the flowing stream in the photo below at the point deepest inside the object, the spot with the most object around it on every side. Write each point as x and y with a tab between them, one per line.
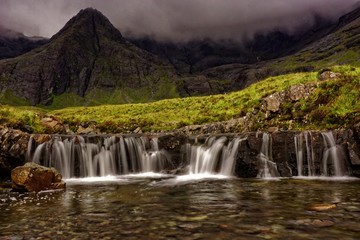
213	157
117	188
165	208
332	160
268	168
116	155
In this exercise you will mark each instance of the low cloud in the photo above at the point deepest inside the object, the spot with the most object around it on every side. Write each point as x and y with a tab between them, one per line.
176	20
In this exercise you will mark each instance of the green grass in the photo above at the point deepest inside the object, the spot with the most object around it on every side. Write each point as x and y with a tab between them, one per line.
175	113
333	104
23	118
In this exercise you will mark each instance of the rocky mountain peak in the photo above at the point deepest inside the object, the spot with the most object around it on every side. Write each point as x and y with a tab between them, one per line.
87	57
90	20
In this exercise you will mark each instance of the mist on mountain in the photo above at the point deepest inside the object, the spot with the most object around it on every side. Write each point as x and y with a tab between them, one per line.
177	21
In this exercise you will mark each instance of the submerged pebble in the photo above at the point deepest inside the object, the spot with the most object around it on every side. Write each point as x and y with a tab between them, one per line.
321	207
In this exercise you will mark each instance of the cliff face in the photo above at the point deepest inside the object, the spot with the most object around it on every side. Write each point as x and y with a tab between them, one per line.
88	53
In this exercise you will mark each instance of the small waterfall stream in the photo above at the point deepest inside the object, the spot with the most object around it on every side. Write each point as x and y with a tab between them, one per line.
267	168
305	154
214	156
115	155
313	154
331	159
333	154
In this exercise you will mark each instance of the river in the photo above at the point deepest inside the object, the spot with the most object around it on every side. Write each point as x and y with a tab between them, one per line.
185	207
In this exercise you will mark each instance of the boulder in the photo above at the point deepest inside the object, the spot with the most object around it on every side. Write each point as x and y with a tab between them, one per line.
52	124
273	102
34	178
300	91
327	75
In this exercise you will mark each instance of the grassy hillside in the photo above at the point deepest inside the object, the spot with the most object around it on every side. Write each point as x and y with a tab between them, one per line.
333	103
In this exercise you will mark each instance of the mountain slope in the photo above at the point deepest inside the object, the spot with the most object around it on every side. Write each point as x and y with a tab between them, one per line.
339	46
13	44
198	55
88	57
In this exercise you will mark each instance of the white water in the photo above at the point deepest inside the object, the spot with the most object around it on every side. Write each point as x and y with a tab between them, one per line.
78	157
298	139
304	153
310	154
333	157
213	157
267	168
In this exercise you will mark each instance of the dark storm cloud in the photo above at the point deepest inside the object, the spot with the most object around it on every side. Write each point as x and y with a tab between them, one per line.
175	19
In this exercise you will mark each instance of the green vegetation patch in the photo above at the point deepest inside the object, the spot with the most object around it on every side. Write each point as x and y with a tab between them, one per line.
166	115
333	103
23	118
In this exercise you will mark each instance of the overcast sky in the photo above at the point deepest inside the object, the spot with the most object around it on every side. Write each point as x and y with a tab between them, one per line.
178	20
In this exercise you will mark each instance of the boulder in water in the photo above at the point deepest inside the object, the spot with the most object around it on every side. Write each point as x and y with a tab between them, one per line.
34	178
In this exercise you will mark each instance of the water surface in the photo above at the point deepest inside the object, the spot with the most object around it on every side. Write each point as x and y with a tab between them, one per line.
163	207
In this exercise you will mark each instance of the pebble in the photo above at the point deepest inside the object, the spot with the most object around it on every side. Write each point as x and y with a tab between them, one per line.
315	222
190	219
352	209
320	207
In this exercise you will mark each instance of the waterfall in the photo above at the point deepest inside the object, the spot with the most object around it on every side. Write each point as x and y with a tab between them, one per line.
267	168
213	157
310	153
332	155
304	153
298	139
116	155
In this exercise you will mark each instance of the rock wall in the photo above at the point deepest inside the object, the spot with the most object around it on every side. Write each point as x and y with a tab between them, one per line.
14	145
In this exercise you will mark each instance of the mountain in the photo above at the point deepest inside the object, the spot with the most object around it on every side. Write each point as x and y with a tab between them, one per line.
87	59
334	44
89	62
198	55
13	44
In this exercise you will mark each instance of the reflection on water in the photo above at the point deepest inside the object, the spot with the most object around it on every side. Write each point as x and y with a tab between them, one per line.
169	208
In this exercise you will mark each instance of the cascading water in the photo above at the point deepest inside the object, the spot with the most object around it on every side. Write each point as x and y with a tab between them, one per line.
298	139
213	157
333	156
267	168
310	153
301	156
116	155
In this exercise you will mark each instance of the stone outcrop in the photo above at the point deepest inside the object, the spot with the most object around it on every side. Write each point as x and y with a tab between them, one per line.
13	147
53	124
328	75
273	102
35	178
